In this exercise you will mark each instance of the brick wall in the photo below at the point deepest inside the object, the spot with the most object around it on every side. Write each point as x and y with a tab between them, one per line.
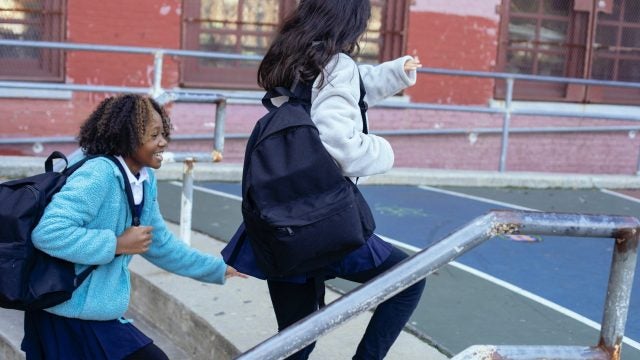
459	35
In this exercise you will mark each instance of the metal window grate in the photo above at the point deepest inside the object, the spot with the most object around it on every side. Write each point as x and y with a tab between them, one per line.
574	38
246	27
31	20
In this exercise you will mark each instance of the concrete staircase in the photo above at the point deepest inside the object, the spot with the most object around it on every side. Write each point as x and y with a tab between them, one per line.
192	320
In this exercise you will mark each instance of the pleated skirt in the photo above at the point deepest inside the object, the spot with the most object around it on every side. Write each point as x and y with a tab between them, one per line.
52	337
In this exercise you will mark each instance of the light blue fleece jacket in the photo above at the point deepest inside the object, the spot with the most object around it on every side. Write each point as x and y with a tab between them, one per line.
81	225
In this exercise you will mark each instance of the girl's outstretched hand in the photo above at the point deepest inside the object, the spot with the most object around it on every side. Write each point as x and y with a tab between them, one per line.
231	272
412	64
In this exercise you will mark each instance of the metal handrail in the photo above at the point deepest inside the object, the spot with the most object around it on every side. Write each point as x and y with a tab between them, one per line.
624	229
525	77
158	92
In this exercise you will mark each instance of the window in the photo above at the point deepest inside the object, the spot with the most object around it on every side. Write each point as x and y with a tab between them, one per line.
246	27
31	20
591	39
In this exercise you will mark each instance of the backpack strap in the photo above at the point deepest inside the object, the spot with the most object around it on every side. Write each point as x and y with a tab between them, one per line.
363	105
135	215
48	164
301	93
135	221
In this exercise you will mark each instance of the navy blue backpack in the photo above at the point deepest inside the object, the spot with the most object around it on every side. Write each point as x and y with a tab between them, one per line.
300	212
31	279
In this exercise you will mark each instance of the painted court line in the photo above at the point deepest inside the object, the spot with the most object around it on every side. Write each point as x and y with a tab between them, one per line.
477	198
480	274
210	191
620	195
522	292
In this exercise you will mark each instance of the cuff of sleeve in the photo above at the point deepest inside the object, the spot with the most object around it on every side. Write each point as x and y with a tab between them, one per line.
218	272
409	79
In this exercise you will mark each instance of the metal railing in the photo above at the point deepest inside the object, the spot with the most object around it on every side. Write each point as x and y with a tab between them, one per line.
507	110
163	96
155	90
625	230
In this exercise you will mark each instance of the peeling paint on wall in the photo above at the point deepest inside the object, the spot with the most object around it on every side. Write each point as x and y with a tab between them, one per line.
165	10
479	8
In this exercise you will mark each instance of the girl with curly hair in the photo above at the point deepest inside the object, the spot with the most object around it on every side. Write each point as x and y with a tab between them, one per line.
87	223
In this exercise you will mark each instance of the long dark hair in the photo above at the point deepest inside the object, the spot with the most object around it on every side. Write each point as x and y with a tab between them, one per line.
309	37
117	125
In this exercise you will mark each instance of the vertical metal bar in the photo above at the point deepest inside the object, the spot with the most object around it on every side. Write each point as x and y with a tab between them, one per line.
619	294
218	145
638	165
506	124
156	89
186	201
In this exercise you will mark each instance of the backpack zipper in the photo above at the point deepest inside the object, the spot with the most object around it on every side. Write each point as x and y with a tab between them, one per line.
34	191
288	230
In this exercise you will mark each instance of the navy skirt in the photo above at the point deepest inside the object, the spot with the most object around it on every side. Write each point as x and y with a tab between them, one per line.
49	336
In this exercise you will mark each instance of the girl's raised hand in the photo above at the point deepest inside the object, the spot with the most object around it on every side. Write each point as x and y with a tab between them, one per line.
412	64
134	240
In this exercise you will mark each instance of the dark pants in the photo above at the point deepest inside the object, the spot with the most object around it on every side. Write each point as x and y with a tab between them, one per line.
292	302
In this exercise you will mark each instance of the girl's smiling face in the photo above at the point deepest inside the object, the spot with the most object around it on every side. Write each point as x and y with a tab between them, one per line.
150	151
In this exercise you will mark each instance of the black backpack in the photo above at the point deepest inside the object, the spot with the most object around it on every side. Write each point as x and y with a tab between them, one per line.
300	212
30	278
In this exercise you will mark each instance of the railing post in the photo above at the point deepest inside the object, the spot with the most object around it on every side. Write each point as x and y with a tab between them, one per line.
218	140
638	165
186	201
623	266
506	124
156	89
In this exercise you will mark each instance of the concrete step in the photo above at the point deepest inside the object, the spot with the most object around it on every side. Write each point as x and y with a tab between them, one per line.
192	320
220	322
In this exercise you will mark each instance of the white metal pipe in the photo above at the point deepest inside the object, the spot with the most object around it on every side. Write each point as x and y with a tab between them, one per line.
505	126
186	204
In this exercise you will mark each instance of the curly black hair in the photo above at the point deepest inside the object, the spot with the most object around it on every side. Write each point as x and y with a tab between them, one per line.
117	125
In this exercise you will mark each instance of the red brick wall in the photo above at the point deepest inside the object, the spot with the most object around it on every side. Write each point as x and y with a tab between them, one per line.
148	23
459	34
573	152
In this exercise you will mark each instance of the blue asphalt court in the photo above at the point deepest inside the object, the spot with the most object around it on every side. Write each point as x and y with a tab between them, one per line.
523	290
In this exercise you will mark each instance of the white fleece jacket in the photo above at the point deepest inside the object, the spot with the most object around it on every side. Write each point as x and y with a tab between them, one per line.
335	111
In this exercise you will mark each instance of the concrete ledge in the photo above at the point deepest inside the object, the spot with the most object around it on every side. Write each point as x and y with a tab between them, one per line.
22	166
208	321
11	333
213	321
183	327
432	177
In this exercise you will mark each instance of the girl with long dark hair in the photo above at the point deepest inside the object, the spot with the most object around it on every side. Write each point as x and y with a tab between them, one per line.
315	46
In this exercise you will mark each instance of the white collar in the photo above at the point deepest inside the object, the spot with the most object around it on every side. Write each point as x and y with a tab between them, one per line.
133	180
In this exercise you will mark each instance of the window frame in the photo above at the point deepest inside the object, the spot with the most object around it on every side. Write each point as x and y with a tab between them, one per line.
49	66
194	74
583	22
